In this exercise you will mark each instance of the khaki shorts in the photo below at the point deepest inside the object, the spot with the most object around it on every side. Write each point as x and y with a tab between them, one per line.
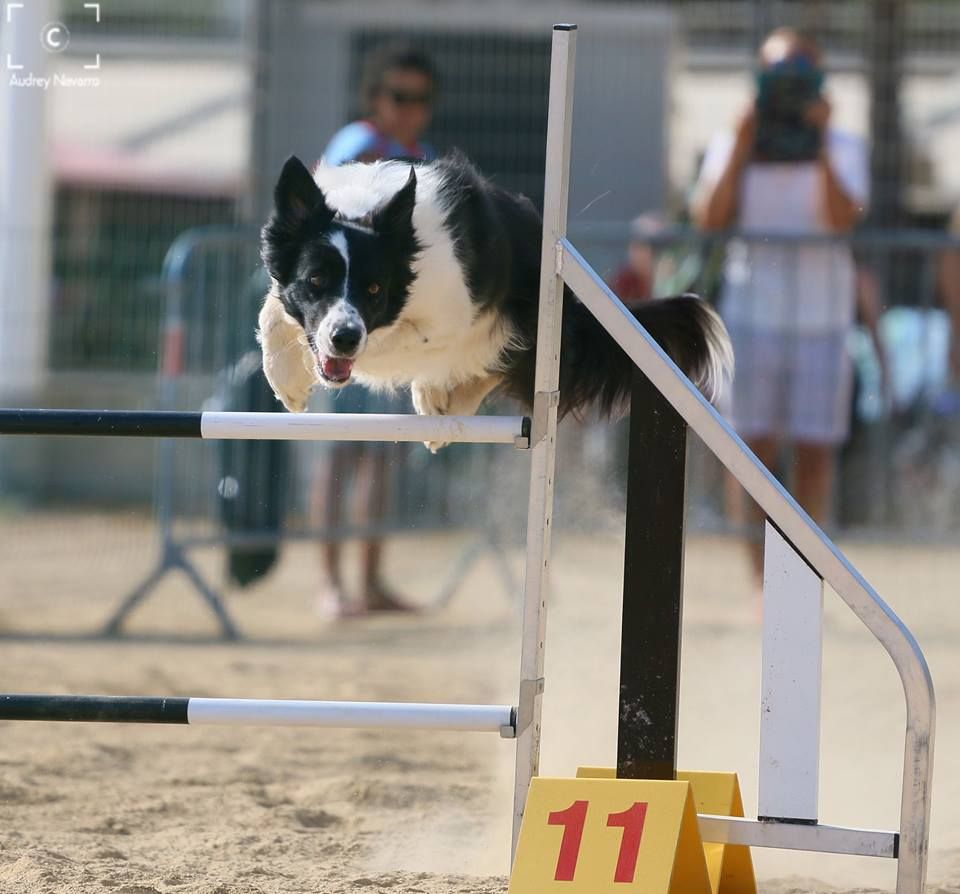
795	387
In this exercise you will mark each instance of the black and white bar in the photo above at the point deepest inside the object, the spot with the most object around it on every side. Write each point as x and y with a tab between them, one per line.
513	430
260	712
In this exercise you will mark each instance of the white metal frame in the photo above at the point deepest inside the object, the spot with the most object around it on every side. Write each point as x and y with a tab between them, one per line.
562	263
790	683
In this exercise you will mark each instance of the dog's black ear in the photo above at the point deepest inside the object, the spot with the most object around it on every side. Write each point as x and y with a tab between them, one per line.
397	215
297	196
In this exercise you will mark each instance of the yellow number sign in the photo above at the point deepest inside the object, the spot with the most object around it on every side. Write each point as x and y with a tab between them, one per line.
729	865
600	836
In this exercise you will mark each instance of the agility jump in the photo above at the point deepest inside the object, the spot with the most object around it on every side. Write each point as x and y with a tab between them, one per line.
215	426
665	404
260	712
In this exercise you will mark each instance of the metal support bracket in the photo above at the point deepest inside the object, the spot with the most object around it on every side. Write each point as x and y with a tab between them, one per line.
543	403
529	690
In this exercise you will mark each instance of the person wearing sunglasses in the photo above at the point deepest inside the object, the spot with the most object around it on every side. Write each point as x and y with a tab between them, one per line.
396	93
789	303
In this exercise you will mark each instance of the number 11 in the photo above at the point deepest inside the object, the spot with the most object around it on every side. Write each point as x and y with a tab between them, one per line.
573	820
631	821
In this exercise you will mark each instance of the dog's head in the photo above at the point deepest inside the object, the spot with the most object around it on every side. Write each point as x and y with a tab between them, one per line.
339	279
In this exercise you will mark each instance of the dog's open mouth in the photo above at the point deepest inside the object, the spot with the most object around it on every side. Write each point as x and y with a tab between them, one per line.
335	369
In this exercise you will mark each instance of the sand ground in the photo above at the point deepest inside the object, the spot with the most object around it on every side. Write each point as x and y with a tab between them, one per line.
140	810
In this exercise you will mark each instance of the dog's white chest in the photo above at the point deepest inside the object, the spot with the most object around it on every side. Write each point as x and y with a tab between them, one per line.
432	351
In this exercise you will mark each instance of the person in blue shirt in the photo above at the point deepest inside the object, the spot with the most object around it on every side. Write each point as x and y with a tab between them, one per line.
397	96
397	90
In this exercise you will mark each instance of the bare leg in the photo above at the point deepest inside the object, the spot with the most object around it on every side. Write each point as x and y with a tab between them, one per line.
372	484
814	477
766	451
734	499
327	510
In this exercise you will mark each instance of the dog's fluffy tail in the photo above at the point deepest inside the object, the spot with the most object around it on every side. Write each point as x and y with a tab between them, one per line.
595	371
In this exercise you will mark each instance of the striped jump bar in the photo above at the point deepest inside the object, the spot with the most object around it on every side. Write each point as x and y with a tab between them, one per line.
260	712
513	430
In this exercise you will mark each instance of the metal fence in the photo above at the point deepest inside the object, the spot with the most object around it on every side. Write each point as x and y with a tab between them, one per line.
932	26
131	174
898	474
248	498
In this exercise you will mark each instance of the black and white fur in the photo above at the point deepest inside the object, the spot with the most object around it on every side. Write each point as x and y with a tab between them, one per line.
392	275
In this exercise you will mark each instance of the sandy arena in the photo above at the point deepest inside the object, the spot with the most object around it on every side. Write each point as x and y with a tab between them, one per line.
157	810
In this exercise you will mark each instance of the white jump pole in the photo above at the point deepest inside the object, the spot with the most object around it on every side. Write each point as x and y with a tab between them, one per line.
544	429
362	427
512	430
259	712
352	715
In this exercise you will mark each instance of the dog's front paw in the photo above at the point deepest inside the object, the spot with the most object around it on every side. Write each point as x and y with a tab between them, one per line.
288	362
430	401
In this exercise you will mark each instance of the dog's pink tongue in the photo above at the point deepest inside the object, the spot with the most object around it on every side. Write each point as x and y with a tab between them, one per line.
337	369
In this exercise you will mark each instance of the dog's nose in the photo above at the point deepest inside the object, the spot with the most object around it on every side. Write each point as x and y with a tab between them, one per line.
347	339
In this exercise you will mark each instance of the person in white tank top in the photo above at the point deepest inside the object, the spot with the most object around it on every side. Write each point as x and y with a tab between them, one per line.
789	306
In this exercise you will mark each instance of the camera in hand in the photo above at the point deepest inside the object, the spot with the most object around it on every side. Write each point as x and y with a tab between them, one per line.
784	94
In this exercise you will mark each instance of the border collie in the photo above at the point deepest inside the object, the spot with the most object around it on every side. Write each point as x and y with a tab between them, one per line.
392	275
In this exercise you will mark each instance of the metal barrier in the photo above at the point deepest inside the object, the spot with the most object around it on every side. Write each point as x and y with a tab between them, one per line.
897	470
214	285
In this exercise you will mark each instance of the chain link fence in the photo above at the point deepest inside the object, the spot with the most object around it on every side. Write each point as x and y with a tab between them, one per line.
182	130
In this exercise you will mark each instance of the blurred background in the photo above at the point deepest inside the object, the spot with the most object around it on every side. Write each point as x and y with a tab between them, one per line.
139	143
175	137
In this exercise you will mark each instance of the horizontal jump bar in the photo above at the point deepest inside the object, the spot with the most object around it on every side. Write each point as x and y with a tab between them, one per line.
268	426
798	836
259	712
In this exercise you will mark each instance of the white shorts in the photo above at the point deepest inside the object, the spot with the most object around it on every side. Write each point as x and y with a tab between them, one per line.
795	387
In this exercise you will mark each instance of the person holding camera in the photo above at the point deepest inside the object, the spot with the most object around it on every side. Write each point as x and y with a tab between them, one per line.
787	181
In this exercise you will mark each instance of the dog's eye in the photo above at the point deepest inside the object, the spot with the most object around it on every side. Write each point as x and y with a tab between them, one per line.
374	288
316	281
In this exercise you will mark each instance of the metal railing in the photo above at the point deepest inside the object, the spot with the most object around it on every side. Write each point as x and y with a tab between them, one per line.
895	469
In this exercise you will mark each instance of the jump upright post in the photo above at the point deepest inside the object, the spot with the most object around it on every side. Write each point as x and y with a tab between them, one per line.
665	404
799	559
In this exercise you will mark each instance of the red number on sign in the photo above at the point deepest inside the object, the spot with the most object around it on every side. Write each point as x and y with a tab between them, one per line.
632	823
572	819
